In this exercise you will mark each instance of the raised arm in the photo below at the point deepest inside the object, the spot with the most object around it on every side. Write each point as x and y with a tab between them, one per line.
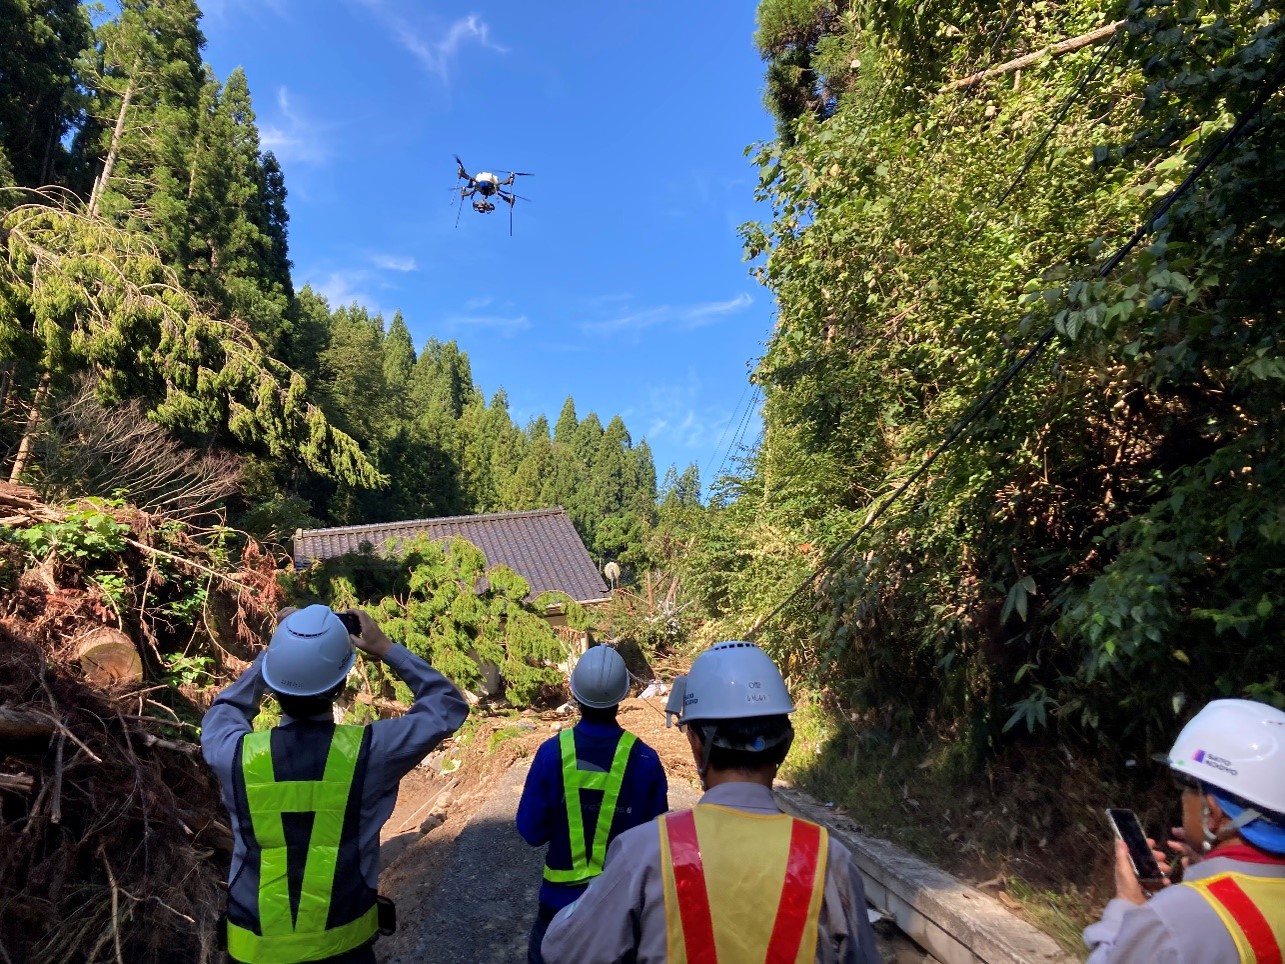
230	717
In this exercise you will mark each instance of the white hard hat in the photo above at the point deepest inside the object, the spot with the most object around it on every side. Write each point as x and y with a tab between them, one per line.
309	655
1237	746
729	681
600	679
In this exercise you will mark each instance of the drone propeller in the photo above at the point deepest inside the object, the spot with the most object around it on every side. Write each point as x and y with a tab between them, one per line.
463	172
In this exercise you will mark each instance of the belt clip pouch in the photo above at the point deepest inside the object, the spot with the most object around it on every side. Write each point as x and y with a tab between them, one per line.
387	915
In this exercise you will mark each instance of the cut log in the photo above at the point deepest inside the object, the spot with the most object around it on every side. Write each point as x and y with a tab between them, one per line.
109	657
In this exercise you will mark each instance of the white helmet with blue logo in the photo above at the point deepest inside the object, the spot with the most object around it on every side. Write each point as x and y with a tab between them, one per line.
310	654
734	680
1239	746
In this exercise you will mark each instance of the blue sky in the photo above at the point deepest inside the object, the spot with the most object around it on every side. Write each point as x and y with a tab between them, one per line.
623	285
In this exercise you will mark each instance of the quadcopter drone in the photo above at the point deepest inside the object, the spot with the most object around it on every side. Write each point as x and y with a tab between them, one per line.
483	186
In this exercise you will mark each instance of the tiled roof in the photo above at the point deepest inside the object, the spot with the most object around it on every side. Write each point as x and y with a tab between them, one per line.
541	546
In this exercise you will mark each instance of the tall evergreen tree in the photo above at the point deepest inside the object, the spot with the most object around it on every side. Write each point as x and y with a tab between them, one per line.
40	41
442	379
399	355
538	428
565	429
145	80
236	239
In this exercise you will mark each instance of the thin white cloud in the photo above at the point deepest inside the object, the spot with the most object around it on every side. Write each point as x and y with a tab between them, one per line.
292	136
682	317
503	325
478	303
394	262
700	315
434	50
343	288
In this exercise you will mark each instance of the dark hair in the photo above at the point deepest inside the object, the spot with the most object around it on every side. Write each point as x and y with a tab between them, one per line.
302	707
774	733
598	714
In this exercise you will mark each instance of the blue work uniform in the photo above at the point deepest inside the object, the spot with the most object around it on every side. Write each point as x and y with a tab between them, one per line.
389	750
542	812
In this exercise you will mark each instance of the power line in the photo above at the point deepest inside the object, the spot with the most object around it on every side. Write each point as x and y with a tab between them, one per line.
983	403
719	445
740	431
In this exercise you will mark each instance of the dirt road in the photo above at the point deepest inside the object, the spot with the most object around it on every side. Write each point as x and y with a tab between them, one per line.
466	890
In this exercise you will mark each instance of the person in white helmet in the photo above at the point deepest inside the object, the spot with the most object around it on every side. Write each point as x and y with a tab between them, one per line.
307	799
734	879
1230	907
586	786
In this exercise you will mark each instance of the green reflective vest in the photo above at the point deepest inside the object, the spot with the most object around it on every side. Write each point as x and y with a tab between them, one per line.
587	865
285	937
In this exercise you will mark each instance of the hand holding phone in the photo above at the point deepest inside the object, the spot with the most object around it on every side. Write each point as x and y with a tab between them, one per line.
351	622
1127	828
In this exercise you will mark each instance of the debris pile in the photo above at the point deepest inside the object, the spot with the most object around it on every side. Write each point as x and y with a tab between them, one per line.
115	625
112	847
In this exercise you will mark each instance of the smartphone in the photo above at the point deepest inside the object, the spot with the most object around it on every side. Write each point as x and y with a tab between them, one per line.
1127	828
351	623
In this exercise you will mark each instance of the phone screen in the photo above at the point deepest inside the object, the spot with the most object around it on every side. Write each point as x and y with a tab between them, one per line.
351	622
1128	829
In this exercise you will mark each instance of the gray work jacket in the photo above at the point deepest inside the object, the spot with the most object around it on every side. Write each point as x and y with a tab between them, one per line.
1176	926
621	917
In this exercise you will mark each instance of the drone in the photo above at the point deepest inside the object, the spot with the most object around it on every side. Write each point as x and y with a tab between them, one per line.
483	186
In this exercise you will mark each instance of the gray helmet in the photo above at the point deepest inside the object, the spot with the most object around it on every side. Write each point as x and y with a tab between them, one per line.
310	653
600	679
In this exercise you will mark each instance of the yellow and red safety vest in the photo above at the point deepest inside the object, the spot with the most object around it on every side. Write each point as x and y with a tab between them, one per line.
741	886
1253	908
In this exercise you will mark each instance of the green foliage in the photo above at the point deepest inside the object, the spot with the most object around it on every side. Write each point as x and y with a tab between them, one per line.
443	602
156	270
184	670
85	537
1104	538
80	295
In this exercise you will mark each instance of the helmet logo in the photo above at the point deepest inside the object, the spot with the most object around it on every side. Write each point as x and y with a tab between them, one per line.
1215	762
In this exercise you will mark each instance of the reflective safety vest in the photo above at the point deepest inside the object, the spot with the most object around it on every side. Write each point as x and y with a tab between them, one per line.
586	857
302	834
741	887
1253	908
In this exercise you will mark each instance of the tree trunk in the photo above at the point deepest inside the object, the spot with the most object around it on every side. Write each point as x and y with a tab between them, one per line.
6	380
110	161
29	431
19	725
1056	50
